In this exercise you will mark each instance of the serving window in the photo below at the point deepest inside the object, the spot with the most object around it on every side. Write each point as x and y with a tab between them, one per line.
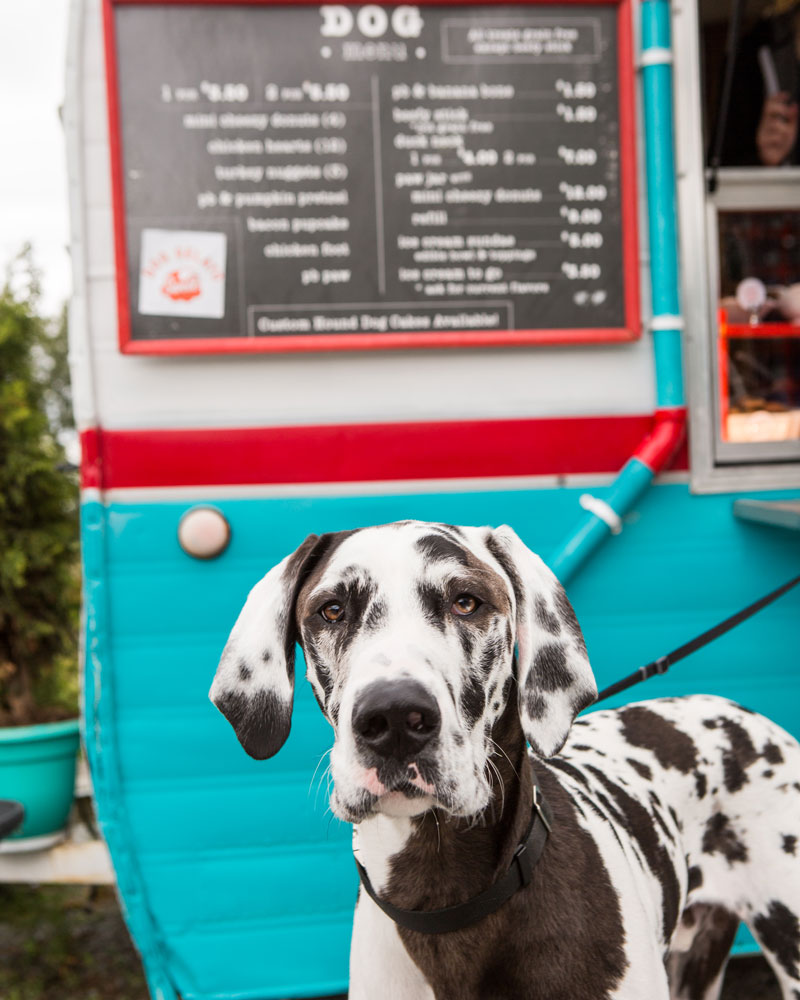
759	327
739	203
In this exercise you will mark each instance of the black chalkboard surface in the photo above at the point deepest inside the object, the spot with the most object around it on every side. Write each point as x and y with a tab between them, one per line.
370	176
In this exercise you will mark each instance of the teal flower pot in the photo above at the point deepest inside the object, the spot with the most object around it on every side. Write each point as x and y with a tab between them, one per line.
37	768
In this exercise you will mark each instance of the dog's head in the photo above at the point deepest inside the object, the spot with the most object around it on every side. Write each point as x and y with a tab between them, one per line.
409	632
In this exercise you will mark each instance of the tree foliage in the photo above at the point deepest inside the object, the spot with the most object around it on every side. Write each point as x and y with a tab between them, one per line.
39	569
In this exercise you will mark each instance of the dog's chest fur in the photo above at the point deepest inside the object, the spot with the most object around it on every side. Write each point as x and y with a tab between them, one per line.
650	805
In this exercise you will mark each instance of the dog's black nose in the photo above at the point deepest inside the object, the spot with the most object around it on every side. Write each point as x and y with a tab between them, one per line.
396	718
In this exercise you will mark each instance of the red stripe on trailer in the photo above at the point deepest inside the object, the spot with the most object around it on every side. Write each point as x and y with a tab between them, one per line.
341	453
91	466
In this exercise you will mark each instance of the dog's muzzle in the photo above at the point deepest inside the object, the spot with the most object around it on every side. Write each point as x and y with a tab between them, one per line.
395	720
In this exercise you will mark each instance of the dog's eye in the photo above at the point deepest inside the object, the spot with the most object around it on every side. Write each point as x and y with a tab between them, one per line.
465	604
332	611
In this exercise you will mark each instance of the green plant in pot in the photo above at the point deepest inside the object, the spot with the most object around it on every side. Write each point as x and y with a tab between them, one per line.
39	566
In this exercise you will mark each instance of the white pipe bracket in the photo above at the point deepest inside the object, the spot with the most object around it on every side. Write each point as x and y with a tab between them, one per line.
602	510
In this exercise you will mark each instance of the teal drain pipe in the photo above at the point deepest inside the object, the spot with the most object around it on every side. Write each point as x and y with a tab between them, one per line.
604	517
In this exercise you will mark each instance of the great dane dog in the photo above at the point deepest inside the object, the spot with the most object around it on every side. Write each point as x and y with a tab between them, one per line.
436	652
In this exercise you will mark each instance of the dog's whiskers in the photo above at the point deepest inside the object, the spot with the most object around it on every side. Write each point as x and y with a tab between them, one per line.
322	757
502	751
494	770
438	830
328	779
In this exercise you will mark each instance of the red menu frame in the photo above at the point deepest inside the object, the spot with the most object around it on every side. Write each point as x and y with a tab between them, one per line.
395	340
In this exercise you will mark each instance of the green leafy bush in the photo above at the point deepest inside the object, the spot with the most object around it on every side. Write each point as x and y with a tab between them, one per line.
39	567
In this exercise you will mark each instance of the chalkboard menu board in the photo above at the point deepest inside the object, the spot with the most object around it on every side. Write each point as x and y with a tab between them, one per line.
305	177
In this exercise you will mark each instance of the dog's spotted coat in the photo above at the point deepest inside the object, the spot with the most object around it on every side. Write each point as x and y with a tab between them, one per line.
674	819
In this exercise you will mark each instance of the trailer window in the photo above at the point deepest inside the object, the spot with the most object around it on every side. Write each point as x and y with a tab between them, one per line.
739	205
757	124
757	333
759	326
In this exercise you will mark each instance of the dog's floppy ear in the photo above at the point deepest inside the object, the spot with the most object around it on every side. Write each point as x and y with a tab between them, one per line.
254	683
555	681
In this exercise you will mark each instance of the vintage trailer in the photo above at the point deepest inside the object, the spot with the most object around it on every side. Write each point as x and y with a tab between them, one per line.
338	266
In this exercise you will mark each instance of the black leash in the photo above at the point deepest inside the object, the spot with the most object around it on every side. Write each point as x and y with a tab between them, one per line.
454	918
663	663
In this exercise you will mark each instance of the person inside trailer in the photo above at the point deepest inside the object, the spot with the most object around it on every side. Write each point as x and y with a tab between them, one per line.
761	118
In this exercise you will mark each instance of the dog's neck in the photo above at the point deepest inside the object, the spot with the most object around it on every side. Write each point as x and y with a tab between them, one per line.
433	860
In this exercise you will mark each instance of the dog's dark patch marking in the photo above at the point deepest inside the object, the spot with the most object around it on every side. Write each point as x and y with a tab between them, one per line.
641	769
737	756
582	699
451	527
660	819
325	679
550	671
375	615
650	731
710	723
431	600
779	932
508	567
772	753
611	810
719	837
458	739
467	640
695	878
569	619
261	721
768	773
266	656
438	548
567	768
713	937
789	844
536	705
548	621
473	699
700	784
490	654
245	673
638	823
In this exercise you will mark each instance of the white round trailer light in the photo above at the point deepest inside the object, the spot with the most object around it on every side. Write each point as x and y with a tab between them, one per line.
204	532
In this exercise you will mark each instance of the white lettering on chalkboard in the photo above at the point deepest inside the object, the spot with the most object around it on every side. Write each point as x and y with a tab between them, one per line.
372	21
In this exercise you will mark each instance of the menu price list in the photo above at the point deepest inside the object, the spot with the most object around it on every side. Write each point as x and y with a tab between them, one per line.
372	169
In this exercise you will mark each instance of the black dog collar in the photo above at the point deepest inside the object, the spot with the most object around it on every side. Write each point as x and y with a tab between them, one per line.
454	918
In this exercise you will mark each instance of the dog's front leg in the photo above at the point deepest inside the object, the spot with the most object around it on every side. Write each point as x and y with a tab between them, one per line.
380	966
